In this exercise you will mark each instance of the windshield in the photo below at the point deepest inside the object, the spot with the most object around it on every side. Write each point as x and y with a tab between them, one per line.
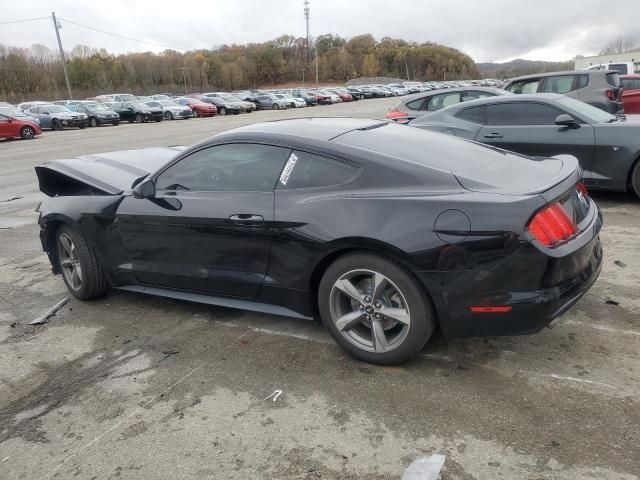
139	104
94	107
57	109
12	112
587	111
168	103
229	98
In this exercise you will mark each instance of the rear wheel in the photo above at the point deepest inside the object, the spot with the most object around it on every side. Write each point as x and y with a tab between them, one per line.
222	111
375	309
138	118
93	122
168	115
195	113
635	179
115	124
78	264
293	105
27	133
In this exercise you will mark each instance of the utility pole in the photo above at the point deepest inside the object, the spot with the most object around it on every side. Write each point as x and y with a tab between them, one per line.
57	26
303	69
406	65
317	83
306	16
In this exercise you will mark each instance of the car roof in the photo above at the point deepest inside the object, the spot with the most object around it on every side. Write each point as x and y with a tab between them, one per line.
318	128
567	72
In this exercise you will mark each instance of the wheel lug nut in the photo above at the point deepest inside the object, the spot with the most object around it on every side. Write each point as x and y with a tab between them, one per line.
367	317
361	307
378	316
367	299
378	305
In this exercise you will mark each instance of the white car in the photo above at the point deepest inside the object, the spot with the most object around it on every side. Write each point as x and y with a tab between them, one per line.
171	110
294	102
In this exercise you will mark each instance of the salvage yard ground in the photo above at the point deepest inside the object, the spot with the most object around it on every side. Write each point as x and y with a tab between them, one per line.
137	387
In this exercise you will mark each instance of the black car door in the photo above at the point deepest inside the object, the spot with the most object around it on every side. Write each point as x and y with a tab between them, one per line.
125	114
209	226
529	128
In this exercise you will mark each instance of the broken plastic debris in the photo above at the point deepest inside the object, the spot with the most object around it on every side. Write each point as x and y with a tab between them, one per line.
49	313
275	395
425	468
620	264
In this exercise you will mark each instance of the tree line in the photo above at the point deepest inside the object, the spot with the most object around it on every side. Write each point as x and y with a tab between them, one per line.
36	72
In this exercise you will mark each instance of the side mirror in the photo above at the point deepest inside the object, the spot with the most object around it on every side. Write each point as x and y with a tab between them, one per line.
565	120
145	189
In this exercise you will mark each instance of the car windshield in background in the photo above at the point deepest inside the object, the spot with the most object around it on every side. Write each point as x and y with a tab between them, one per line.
228	98
57	109
138	104
12	112
95	107
590	113
168	103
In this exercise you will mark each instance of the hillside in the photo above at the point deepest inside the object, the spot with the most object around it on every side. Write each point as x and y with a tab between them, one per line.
518	67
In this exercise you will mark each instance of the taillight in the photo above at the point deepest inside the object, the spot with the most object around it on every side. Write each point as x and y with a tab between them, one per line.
611	94
582	189
396	114
552	225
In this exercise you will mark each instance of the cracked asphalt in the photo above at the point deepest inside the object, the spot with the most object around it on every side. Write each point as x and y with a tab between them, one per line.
135	387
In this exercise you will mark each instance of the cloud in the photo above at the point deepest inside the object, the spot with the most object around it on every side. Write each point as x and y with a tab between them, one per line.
487	30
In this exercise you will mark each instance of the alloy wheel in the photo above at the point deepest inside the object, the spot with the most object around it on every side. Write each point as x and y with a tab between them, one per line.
369	311
27	133
69	262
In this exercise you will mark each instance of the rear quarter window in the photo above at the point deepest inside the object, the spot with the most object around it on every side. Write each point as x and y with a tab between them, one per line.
307	170
415	104
613	79
474	114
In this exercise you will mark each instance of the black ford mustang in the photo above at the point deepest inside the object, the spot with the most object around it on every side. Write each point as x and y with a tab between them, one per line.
386	232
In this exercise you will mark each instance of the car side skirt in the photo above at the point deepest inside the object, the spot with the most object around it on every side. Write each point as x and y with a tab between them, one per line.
219	301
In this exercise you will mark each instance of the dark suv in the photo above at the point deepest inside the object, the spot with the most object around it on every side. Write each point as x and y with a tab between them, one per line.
599	88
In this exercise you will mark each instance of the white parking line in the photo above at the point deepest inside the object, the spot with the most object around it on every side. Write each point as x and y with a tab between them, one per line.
568	379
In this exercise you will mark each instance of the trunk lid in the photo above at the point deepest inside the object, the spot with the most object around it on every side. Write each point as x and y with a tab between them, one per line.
108	173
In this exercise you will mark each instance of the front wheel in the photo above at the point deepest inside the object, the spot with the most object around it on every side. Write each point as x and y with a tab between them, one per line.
138	118
275	106
27	133
222	111
168	116
78	264
375	309
196	114
93	122
635	179
56	124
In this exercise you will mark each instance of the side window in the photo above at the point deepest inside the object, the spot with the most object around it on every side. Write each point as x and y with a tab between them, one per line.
232	167
613	79
636	84
443	100
560	84
474	114
306	170
524	86
620	67
474	95
583	81
415	104
521	113
4	119
627	83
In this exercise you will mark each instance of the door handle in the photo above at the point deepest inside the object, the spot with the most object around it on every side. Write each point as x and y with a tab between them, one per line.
246	219
494	135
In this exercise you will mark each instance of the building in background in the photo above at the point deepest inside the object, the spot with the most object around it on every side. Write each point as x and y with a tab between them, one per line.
632	57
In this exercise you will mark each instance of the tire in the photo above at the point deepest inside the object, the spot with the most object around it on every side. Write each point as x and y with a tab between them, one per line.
138	118
635	179
196	114
168	115
275	106
56	124
293	105
82	127
27	133
93	122
73	254
115	124
258	106
397	339
222	111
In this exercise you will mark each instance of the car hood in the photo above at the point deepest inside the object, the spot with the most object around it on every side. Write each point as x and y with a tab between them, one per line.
110	173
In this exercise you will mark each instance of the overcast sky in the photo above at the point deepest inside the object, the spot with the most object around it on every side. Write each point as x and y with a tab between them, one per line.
487	30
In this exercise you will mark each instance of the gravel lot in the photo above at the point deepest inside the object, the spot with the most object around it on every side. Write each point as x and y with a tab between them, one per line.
137	387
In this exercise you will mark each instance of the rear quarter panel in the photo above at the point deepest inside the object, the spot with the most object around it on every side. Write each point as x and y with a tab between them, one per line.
617	150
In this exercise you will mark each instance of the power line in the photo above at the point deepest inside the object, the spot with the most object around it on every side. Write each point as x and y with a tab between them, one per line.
25	20
120	36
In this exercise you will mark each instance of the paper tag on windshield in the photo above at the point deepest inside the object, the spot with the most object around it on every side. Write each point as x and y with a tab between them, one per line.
288	168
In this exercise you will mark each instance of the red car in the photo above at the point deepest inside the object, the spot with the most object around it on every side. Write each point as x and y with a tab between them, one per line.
200	108
345	97
631	93
11	127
